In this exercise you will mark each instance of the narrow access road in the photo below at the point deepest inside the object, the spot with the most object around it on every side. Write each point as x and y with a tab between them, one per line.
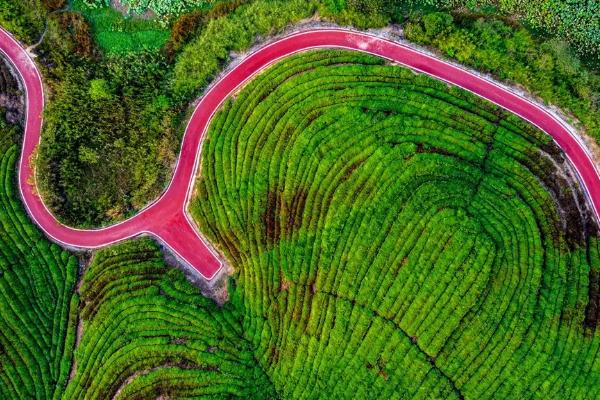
167	219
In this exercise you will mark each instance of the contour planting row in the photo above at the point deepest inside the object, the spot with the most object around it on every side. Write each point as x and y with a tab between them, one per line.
140	330
148	333
396	237
37	309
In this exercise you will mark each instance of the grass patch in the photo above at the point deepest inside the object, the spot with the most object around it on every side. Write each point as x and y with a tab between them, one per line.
117	34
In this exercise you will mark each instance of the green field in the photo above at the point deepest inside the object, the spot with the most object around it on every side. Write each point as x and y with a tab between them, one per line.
132	328
158	7
116	34
37	303
392	237
397	238
148	332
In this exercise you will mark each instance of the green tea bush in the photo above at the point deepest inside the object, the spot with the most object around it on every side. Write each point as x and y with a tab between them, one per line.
37	306
397	238
393	238
148	333
140	330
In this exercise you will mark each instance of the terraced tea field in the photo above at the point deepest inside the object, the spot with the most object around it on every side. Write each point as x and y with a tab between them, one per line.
392	237
398	238
133	328
37	305
148	332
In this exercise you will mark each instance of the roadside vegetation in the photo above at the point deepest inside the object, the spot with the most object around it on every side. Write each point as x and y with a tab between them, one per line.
576	22
109	138
407	236
550	69
25	18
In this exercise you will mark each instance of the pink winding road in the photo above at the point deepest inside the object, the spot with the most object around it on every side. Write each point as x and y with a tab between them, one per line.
166	218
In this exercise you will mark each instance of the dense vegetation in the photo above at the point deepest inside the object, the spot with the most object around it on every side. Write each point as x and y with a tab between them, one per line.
204	56
159	7
23	18
148	333
577	22
403	235
109	139
37	305
116	34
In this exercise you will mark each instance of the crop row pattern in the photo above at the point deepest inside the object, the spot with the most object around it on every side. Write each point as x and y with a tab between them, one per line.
398	238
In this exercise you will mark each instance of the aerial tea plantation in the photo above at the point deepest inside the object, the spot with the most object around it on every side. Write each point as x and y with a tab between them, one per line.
148	332
391	237
129	327
37	305
394	237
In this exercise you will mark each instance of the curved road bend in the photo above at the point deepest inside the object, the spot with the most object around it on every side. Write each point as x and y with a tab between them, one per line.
167	219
